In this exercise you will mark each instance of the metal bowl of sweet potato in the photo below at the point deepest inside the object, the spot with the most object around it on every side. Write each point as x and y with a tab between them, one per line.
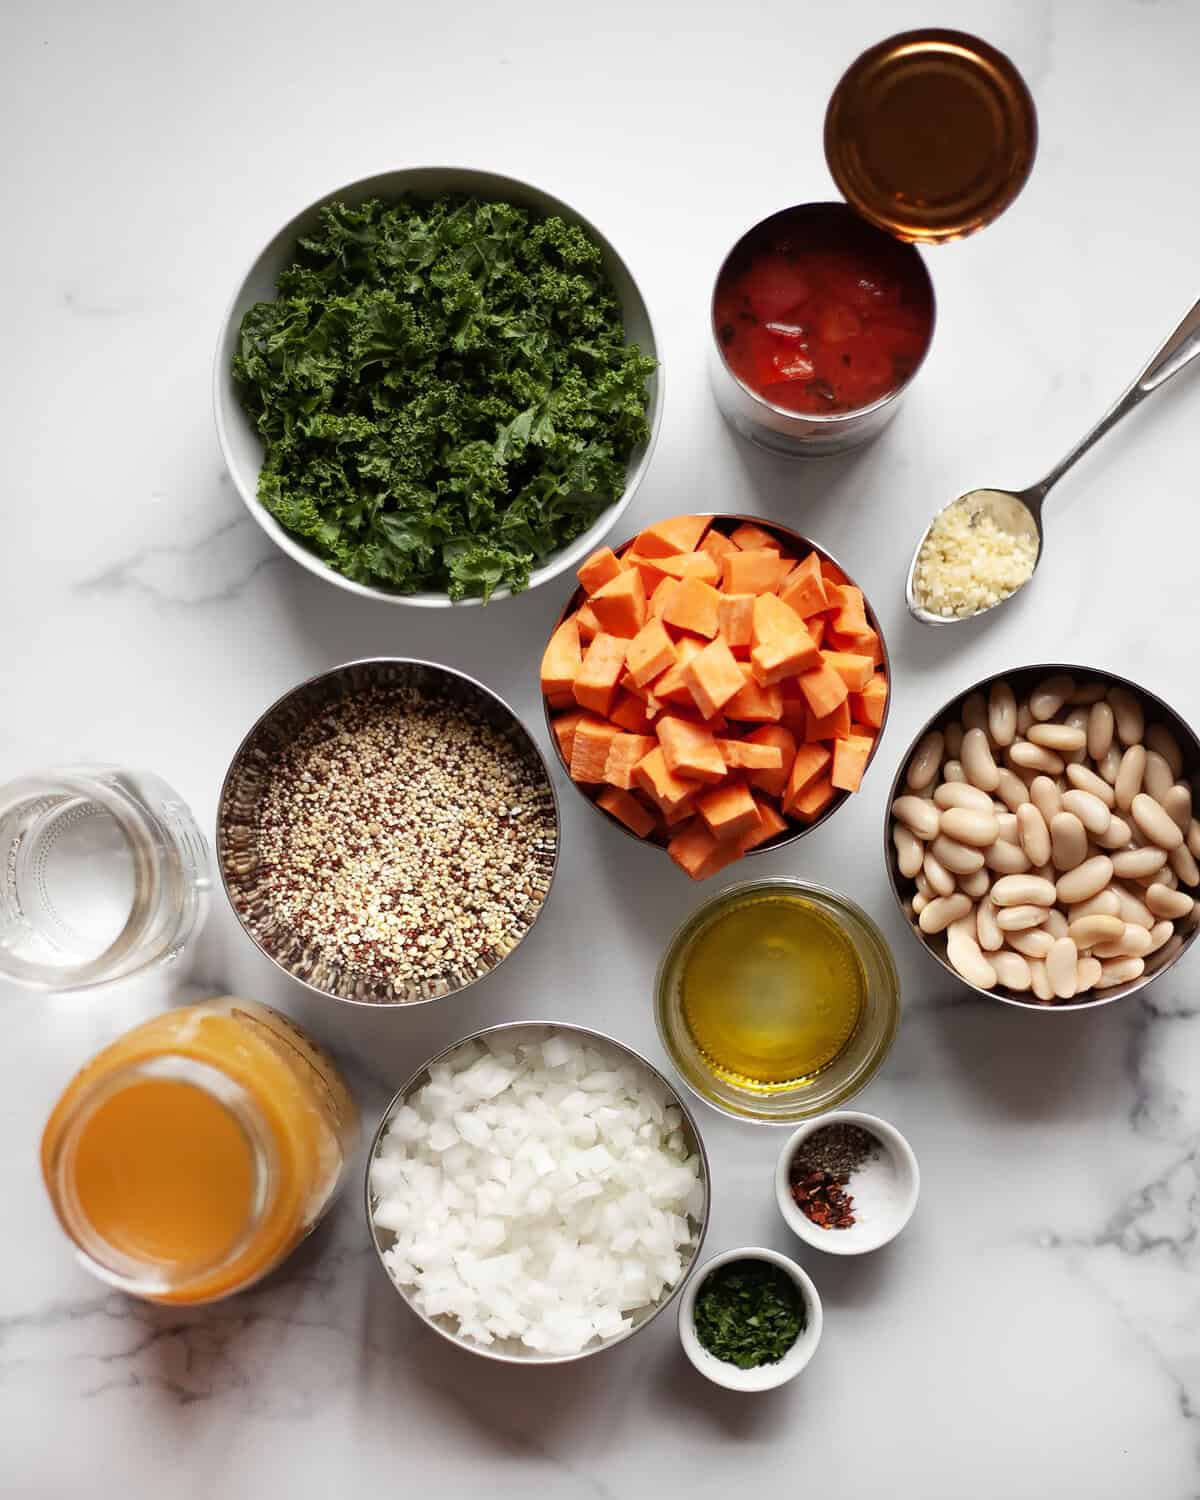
716	686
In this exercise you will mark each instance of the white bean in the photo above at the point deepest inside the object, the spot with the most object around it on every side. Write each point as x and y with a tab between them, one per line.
1087	879
1155	824
1193	837
1104	904
987	930
1011	790
1062	963
1087	974
918	815
1133	909
910	851
1117	835
1177	804
927	758
1046	797
1132	864
1035	758
1055	923
1109	764
1039	979
1002	714
953	736
1049	696
1127	711
1024	717
977	761
964	954
1100	729
1033	834
1165	877
1012	971
1086	932
1159	934
943	910
1091	812
1087	692
1076	719
952	771
1007	823
1160	739
1033	942
917	905
1164	902
1023	890
970	826
1061	737
1134	942
959	859
1020	918
1119	971
1085	780
961	794
1129	776
976	884
1185	867
1006	858
974	713
941	882
1158	778
1068	841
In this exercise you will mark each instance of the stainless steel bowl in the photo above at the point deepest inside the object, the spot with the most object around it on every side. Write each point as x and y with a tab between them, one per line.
241	793
1022	679
510	1353
727	520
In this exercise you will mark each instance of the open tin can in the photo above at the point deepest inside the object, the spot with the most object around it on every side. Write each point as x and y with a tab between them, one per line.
823	313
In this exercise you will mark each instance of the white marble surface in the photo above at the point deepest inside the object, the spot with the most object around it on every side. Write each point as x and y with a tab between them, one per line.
1036	1330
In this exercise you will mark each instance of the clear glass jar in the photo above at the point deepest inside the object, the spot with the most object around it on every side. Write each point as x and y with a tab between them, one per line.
193	1154
851	1064
104	874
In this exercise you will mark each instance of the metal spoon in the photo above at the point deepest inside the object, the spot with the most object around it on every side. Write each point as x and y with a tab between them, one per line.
1021	511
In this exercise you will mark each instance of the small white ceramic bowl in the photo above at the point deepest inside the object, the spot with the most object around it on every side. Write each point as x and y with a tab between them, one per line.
885	1190
242	447
762	1377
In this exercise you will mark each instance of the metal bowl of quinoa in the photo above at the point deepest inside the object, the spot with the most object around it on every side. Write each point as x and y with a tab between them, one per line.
387	832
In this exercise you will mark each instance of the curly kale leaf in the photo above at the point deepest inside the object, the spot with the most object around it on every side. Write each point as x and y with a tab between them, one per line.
443	391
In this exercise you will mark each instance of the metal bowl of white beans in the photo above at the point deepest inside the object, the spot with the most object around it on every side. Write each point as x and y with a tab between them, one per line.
1040	837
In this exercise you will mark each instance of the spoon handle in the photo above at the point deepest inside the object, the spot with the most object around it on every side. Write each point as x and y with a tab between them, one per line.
1181	346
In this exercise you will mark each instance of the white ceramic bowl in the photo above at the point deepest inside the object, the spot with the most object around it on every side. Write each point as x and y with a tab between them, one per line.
242	448
762	1377
885	1190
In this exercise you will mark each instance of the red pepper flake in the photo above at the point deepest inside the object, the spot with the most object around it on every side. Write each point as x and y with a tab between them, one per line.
821	1196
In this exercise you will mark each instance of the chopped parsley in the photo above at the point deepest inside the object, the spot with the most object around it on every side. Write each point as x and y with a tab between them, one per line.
748	1313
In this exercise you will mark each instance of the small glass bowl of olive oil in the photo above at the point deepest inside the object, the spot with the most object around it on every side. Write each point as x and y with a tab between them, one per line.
777	1000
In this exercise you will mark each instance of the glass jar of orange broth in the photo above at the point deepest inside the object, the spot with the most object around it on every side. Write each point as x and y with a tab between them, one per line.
187	1159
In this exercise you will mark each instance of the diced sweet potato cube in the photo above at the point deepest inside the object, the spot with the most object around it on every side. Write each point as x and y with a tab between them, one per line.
694	606
596	681
660	783
750	538
754	572
864	642
562	658
867	707
735	618
816	626
850	757
782	646
620	604
718	547
834	726
823	689
813	800
729	811
564	727
713	677
754	704
832	573
661	597
851	616
650	653
804	588
589	626
666	538
631	714
598	569
671	686
747	755
773	779
699	854
685	810
558	701
690	750
855	671
700	565
811	762
647	567
589	749
769	824
624	753
627	810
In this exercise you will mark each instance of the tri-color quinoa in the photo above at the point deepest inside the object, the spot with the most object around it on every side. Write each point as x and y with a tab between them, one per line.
405	843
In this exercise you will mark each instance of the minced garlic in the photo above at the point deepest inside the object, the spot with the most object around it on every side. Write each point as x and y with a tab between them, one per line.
970	560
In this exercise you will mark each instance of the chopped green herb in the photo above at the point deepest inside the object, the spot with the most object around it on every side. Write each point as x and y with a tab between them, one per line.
444	392
749	1313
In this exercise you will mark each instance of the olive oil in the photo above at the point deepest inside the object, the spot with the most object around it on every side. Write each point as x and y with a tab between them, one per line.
772	990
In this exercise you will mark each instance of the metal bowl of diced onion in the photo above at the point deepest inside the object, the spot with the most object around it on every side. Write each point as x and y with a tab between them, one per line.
1023	680
495	1041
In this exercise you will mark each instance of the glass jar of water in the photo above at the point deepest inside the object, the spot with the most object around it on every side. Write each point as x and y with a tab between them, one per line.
103	873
